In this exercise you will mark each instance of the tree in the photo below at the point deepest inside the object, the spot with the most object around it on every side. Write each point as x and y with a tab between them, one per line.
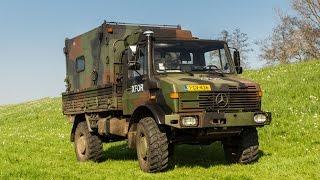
240	41
309	15
295	38
309	10
283	46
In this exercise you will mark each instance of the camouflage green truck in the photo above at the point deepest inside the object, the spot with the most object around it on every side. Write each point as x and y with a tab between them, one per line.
157	86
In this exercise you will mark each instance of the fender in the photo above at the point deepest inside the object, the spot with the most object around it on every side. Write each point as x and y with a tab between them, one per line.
157	112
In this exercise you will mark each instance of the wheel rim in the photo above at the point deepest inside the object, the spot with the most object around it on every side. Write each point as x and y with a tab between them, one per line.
81	145
143	147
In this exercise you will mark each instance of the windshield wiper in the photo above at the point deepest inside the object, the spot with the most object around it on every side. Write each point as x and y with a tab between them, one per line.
217	71
210	68
190	73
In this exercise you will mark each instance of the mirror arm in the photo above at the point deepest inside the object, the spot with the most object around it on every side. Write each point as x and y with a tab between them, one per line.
233	48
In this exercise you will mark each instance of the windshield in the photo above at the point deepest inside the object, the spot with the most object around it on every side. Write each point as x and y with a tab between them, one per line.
192	56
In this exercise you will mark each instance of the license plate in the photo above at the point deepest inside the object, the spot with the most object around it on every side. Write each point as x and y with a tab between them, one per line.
198	87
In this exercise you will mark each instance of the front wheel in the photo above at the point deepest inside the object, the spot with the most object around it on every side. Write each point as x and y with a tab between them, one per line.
152	146
243	148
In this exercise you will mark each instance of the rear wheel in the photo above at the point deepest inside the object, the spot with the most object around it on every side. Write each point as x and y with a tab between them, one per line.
88	146
243	148
152	146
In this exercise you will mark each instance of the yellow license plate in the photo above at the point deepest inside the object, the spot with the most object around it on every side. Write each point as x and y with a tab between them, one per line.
198	87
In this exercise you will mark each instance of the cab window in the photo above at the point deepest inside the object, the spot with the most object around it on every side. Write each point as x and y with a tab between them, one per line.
142	60
80	64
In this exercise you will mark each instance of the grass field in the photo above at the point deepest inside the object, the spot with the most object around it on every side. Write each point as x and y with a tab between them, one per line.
34	139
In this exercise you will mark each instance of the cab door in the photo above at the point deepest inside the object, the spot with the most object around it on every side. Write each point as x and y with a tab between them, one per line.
135	92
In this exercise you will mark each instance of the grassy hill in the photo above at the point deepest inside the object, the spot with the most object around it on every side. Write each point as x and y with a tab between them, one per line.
34	139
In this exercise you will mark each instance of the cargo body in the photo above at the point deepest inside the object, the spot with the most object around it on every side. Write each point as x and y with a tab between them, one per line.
157	84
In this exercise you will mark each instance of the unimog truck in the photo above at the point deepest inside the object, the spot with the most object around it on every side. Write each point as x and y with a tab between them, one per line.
157	86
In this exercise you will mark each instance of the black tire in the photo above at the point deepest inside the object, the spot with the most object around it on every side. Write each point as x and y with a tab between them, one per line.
244	148
152	146
171	149
88	146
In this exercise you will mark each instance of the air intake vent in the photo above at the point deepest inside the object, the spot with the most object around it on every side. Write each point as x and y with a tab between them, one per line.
245	101
233	88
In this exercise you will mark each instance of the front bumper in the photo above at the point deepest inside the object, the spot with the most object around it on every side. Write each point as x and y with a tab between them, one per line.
214	119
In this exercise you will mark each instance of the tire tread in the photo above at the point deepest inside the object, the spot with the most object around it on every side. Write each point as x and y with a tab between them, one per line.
158	146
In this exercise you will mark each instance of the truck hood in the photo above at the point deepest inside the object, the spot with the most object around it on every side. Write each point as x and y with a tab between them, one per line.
217	83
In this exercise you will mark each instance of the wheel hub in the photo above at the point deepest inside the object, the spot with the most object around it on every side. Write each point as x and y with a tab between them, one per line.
81	145
143	147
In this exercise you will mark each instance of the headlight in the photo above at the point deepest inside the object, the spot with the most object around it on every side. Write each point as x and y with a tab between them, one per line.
189	121
260	118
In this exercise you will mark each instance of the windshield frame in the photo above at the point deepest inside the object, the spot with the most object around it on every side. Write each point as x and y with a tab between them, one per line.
223	43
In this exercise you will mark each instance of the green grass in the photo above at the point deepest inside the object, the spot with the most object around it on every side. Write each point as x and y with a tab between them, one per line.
34	139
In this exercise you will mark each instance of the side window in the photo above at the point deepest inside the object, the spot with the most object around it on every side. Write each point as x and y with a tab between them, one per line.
187	58
80	64
213	58
142	59
218	58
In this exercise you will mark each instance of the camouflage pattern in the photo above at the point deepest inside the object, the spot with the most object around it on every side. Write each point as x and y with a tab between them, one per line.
99	88
114	91
103	51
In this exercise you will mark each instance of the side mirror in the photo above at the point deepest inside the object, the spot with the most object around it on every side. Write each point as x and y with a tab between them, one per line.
236	58
133	63
134	66
239	69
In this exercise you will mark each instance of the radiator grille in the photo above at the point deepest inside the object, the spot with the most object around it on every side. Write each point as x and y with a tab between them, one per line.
237	101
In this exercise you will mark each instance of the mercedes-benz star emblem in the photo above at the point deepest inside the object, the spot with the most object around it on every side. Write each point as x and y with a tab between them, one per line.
222	100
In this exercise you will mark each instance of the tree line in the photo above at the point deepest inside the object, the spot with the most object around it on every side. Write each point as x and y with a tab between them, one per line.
295	38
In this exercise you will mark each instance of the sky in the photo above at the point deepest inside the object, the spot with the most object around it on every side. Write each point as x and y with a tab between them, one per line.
32	33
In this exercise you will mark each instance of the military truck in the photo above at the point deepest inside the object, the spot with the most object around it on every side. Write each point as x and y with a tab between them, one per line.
158	86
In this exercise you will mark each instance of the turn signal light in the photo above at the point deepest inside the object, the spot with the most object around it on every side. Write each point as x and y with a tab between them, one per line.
110	30
260	93
174	95
152	97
